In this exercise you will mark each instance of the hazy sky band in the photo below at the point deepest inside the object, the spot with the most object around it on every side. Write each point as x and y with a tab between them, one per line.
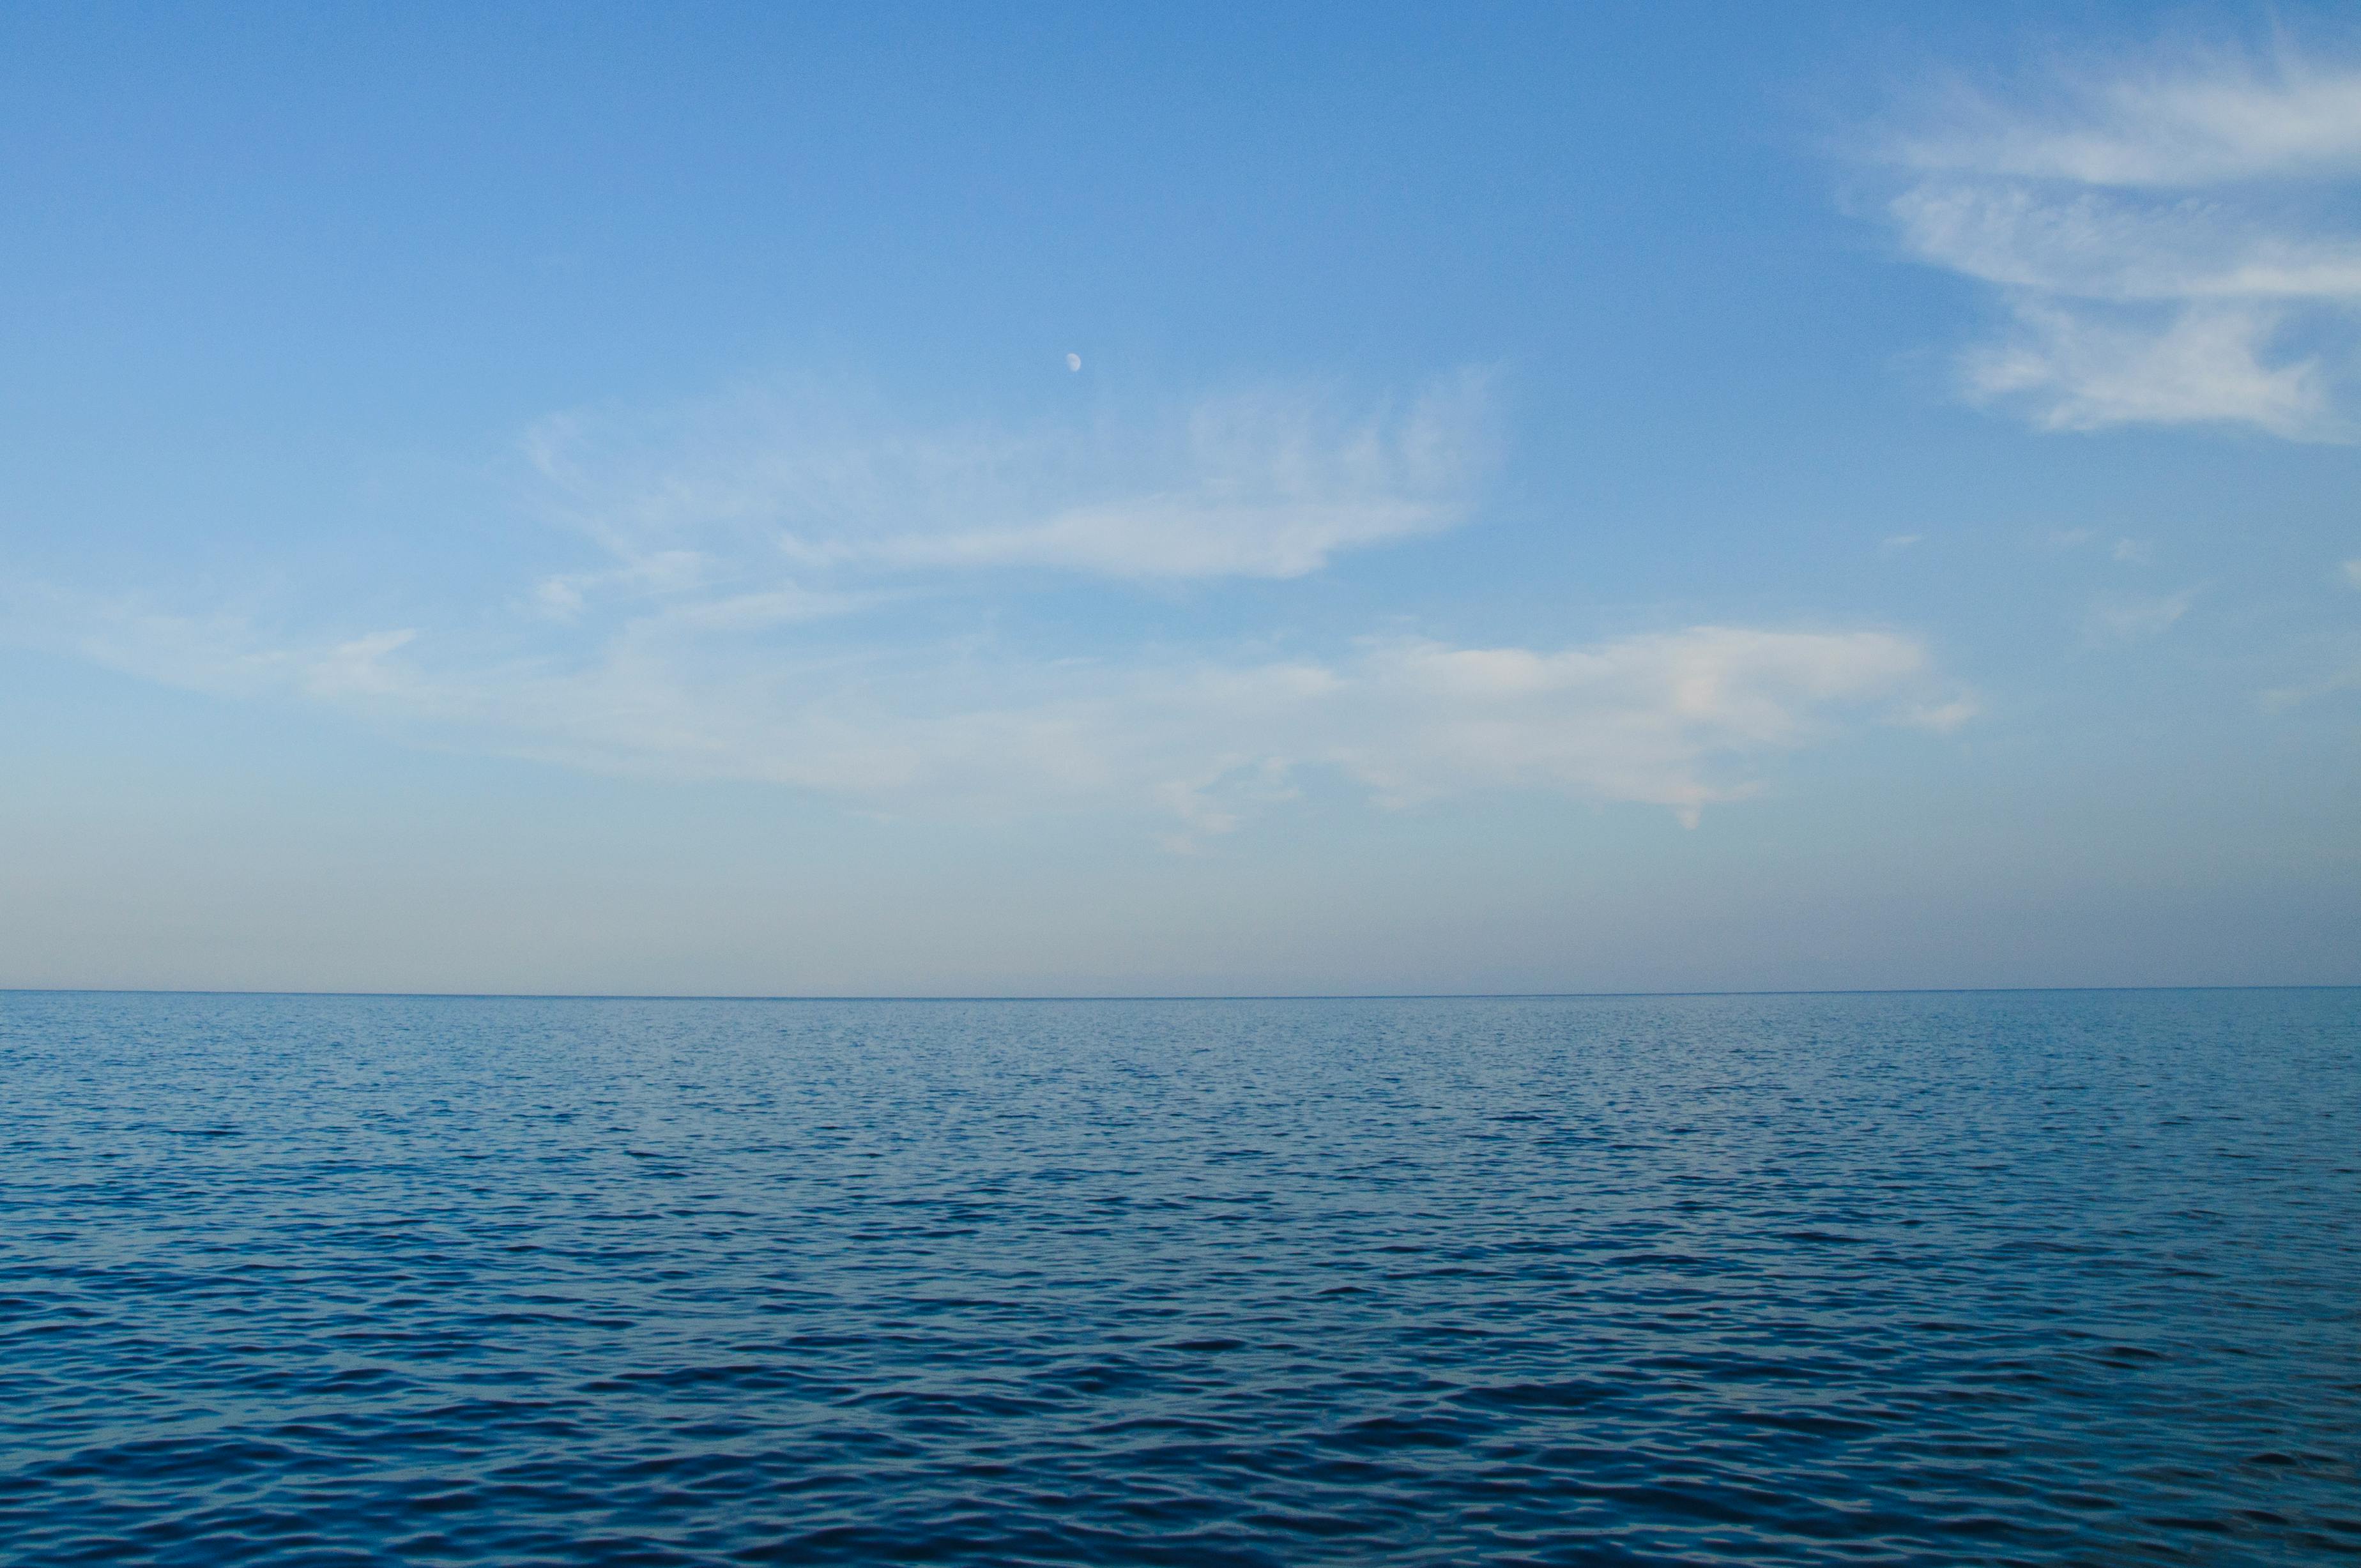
1539	502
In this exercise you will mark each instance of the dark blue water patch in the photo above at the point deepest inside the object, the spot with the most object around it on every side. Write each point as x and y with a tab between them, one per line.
2024	1279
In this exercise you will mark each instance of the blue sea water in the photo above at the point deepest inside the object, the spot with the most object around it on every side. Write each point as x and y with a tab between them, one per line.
1975	1278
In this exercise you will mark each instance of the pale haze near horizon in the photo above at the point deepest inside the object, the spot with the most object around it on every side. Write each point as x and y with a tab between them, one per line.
716	501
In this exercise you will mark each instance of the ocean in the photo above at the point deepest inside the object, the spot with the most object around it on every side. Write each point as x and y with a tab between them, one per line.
2033	1277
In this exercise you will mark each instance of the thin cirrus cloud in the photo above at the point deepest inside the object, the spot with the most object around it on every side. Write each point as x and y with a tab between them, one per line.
1679	719
768	494
2134	617
2170	239
735	621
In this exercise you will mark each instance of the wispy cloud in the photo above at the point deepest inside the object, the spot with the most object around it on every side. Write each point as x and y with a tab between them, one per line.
2201	119
739	617
2333	669
2171	239
1681	719
777	502
2133	617
1941	717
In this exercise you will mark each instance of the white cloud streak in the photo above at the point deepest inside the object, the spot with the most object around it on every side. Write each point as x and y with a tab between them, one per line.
2171	244
764	492
2202	120
2137	617
1680	720
737	623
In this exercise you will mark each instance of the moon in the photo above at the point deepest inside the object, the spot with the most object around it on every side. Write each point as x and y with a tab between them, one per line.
1073	361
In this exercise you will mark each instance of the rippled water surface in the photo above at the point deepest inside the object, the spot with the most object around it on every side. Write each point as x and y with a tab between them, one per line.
1938	1278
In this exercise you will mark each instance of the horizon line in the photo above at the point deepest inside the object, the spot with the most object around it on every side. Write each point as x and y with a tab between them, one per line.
1152	996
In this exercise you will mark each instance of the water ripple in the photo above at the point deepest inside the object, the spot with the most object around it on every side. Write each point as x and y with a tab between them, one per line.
1874	1280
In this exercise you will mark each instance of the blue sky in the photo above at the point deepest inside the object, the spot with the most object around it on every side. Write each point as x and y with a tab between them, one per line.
718	499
